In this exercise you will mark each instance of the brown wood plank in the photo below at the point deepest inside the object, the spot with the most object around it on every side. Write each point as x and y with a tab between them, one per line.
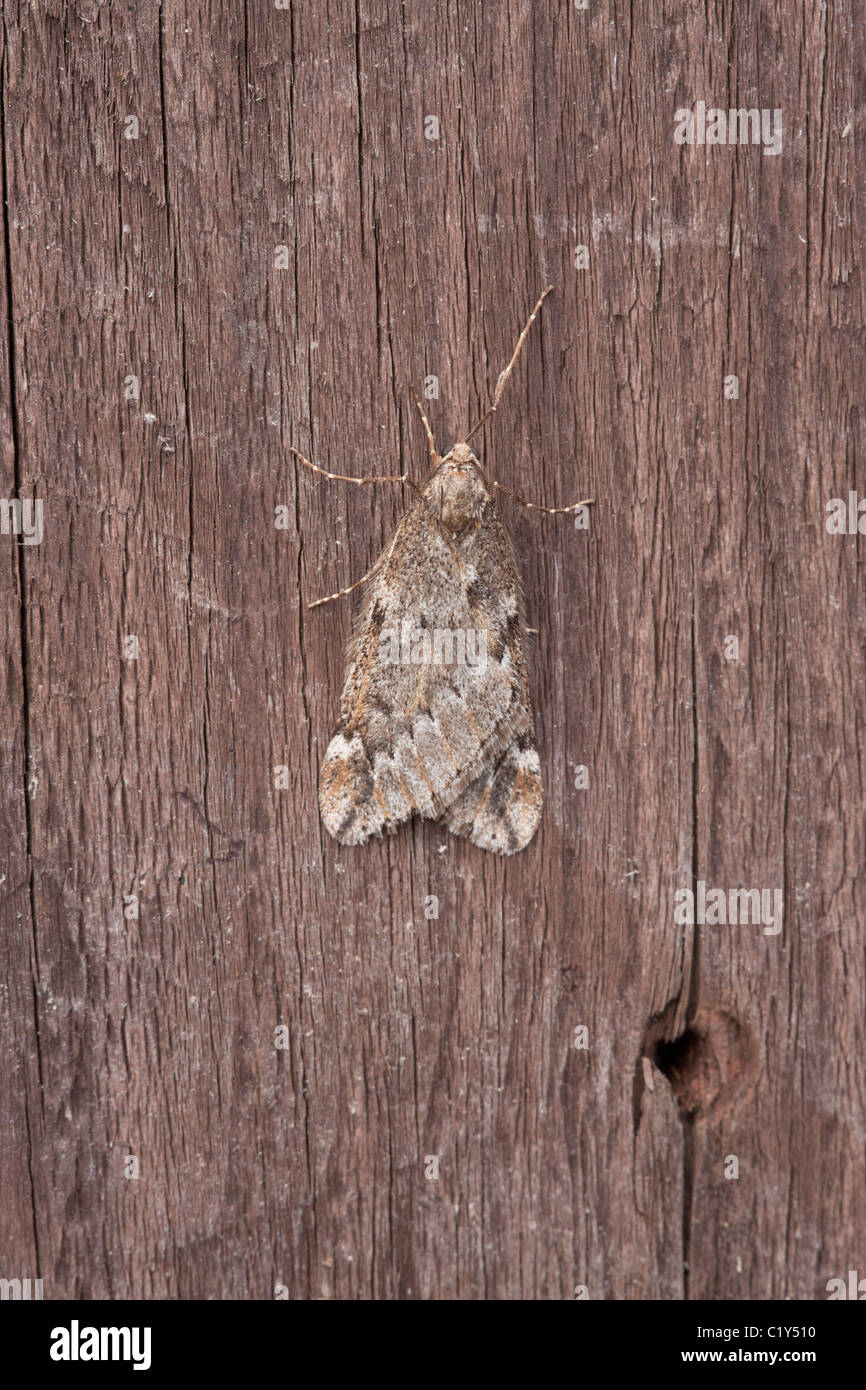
410	1036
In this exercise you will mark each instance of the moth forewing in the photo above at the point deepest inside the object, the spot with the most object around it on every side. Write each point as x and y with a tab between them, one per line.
435	688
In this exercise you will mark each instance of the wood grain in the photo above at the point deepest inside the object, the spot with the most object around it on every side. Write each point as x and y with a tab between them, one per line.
410	1036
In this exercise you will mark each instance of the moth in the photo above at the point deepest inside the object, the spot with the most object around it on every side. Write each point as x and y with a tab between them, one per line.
436	717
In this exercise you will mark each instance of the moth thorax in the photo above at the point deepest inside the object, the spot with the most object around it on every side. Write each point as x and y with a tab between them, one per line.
457	491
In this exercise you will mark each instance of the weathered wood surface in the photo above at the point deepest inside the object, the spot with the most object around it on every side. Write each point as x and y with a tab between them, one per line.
156	257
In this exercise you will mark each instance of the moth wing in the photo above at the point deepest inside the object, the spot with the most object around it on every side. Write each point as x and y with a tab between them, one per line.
501	810
414	733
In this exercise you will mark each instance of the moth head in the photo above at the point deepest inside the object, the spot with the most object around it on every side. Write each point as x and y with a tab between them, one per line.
457	493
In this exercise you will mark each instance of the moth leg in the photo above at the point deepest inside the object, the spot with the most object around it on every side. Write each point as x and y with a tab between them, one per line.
341	593
341	477
536	506
427	430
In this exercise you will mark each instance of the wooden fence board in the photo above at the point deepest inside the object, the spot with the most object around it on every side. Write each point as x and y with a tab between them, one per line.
159	258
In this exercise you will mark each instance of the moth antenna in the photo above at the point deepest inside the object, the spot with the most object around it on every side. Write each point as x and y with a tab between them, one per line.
536	506
503	376
341	477
427	430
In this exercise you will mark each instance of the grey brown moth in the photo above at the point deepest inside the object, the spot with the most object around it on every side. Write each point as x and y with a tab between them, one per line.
436	717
